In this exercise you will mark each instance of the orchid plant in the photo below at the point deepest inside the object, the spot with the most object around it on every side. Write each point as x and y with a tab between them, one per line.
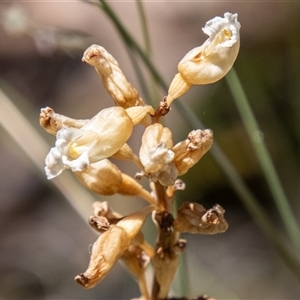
86	146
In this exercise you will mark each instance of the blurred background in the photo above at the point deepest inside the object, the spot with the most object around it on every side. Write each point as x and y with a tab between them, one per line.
44	240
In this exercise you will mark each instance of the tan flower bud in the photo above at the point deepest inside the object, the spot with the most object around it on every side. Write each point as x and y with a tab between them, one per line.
52	122
156	154
102	177
191	150
211	61
105	252
194	218
113	79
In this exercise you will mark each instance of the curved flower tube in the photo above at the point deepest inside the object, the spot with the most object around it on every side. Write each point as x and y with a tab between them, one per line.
211	61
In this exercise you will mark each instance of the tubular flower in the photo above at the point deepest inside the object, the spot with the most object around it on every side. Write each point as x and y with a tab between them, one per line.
191	150
53	122
211	61
110	246
102	177
114	81
194	218
157	156
99	138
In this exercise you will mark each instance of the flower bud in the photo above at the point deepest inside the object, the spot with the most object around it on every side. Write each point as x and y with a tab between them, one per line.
194	218
99	138
102	177
113	79
211	61
156	154
191	150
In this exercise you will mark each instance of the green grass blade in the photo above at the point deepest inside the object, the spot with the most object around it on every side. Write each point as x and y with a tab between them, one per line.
264	158
145	32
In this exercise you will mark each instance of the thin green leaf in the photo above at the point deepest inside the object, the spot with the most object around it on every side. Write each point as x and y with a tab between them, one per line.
264	158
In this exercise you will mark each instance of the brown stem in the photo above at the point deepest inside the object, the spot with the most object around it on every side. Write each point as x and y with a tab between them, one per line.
155	289
161	196
161	111
165	260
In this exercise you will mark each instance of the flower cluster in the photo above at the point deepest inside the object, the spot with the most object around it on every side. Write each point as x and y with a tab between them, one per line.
86	146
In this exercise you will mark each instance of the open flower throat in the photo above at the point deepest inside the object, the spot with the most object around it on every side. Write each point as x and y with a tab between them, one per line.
86	146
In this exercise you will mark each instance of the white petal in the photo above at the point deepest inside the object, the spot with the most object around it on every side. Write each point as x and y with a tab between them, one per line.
78	164
214	26
54	165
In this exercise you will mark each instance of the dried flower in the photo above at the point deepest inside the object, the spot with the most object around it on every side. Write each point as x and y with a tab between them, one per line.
102	209
105	252
110	246
211	61
53	122
191	150
113	79
194	218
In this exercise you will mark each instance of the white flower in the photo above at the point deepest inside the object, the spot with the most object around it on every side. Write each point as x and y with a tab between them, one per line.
99	138
211	61
156	154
